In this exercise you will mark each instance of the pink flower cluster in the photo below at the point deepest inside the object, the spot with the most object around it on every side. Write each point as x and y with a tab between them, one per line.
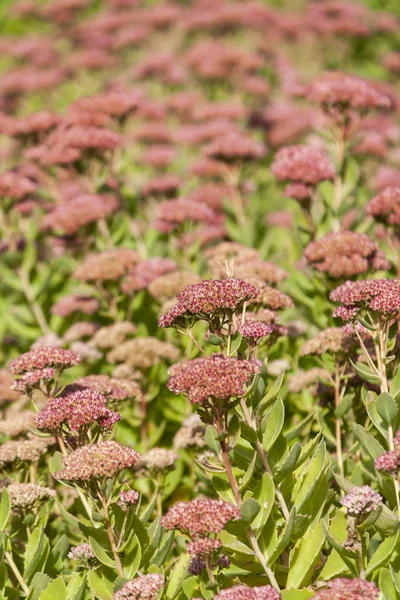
97	461
348	91
305	165
77	410
385	207
243	592
378	295
208	299
349	589
127	499
361	500
216	377
200	517
144	587
254	331
43	357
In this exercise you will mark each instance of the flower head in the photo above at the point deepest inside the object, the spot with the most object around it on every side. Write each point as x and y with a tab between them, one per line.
349	589
26	496
235	146
254	331
200	517
216	377
378	295
157	459
97	461
388	462
108	265
33	379
385	207
42	358
361	500
82	554
144	587
75	303
16	451
127	499
302	164
243	592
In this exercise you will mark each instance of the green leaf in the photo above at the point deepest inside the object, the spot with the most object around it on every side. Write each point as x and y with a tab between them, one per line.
288	464
5	509
304	557
100	587
76	586
36	553
133	556
386	585
272	424
189	586
265	495
387	408
101	554
211	438
291	434
383	554
177	576
249	510
369	443
313	473
395	385
56	590
297	594
283	541
271	394
365	372
335	565
39	582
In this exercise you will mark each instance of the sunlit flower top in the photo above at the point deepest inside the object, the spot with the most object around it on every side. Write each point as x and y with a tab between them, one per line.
200	517
43	357
302	164
335	89
378	295
361	500
243	592
349	589
144	587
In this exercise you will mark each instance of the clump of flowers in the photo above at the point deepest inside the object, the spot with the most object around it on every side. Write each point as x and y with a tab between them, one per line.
345	254
144	587
156	460
243	592
200	517
16	452
43	358
107	266
377	295
349	589
97	462
25	496
361	500
127	499
83	555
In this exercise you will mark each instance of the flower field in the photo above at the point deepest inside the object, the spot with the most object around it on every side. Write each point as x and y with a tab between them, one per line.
199	300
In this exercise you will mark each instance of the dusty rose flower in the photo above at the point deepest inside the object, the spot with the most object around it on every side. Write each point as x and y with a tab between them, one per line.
307	379
143	352
387	177
70	217
36	123
25	496
388	462
33	379
163	185
97	461
158	156
385	207
190	435
215	59
15	185
97	139
156	132
43	357
349	589
144	587
113	335
17	422
127	499
209	299
345	254
108	265
170	285
268	296
172	213
75	303
335	340
235	147
15	451
213	195
208	168
243	592
115	104
361	500
203	546
77	411
157	459
285	122
196	134
233	111
203	235
254	332
115	389
379	295
335	90
392	62
308	165
80	330
200	517
82	554
216	377
146	271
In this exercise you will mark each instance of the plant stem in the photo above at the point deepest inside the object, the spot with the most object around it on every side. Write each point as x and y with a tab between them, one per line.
264	460
250	533
209	569
338	423
34	306
15	570
110	534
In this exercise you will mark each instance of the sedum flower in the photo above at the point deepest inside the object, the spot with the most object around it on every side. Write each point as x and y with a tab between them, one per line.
115	389
307	165
254	331
68	305
32	380
42	358
191	434
349	589
157	459
361	500
143	352
97	461
16	451
203	546
108	265
388	462
127	499
377	295
216	377
385	207
243	592
144	587
200	517
113	335
83	555
26	496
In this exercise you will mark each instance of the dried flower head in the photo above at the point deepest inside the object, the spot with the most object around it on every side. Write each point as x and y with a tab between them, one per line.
127	499
19	451
108	265
307	165
17	422
42	358
307	379
147	271
157	459
97	461
349	589
200	517
168	286
334	340
216	377
77	411
80	330
191	434
113	335
143	352
208	300
144	587
243	592
25	496
361	500
269	297
345	254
